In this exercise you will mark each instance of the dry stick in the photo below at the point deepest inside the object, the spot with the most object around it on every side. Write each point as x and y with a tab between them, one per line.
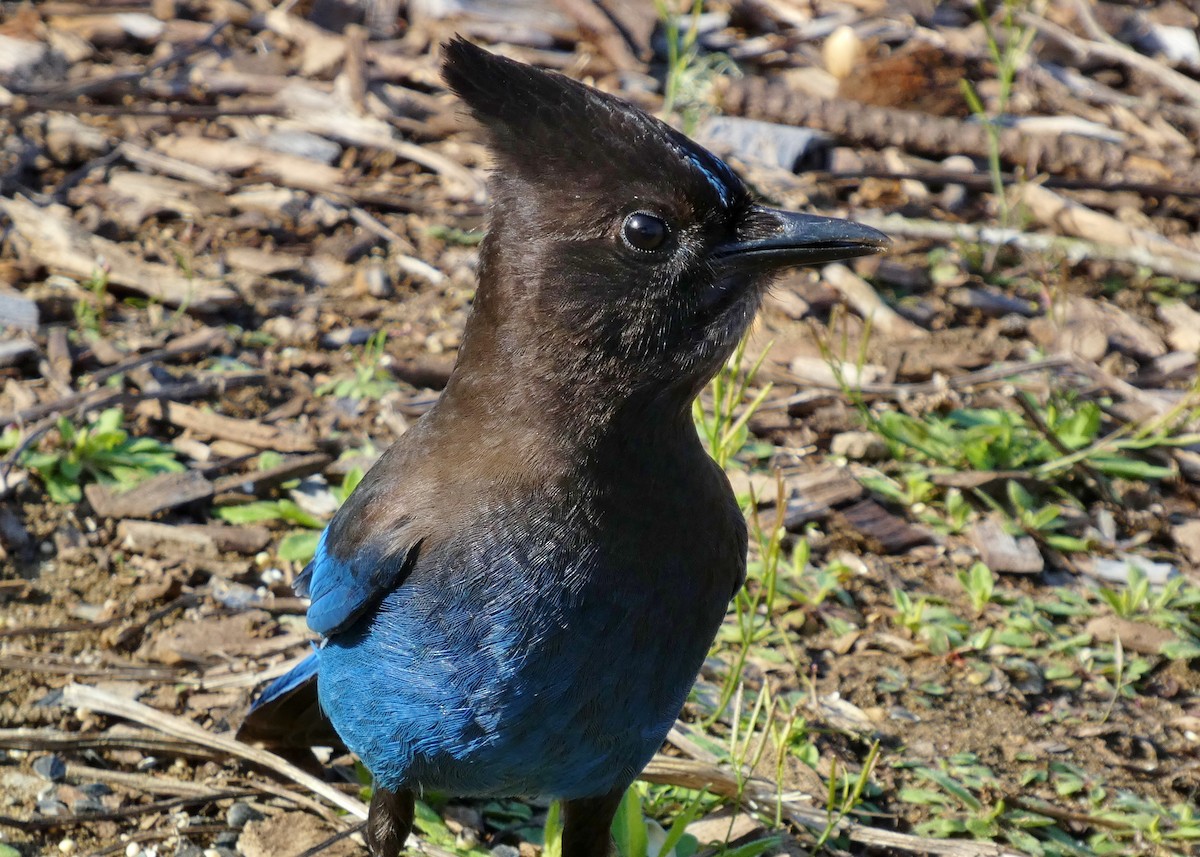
94	699
72	90
151	783
144	741
1112	50
990	375
757	793
1074	249
408	264
60	821
203	341
773	101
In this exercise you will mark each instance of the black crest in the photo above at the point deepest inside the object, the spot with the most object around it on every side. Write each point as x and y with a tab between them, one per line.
540	122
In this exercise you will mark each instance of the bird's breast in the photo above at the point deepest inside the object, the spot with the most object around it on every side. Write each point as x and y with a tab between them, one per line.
550	664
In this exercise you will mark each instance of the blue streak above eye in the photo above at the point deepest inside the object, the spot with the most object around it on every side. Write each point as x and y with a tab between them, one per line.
717	172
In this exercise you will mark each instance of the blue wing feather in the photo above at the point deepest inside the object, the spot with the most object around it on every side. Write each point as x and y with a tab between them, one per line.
342	588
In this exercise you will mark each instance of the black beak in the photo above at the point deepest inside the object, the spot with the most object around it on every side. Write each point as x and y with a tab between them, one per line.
784	239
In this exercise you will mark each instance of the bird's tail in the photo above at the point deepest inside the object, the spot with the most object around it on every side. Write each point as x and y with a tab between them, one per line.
288	713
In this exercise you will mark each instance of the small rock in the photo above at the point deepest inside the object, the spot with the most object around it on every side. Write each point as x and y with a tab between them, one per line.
86	805
346	336
188	848
67	845
133	850
228	839
372	279
1004	553
51	806
859	446
1138	637
1187	539
1183	324
1118	570
505	851
51	768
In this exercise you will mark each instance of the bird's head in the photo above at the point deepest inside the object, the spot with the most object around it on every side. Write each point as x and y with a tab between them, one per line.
618	248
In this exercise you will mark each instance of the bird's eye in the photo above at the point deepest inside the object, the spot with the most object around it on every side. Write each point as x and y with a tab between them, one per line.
643	231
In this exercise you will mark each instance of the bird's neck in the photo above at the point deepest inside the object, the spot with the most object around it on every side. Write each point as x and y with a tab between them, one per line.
536	399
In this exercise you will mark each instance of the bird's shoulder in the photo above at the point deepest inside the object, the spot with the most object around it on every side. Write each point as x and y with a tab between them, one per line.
427	491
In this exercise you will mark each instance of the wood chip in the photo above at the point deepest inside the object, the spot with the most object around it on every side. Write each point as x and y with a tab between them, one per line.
62	245
157	494
1138	637
206	539
812	496
17	311
867	303
247	432
893	534
1004	553
295	467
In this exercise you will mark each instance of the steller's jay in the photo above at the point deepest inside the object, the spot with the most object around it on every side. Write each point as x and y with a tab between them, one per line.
517	598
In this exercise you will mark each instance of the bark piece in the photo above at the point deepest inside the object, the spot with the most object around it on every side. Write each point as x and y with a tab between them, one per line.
248	432
156	494
812	496
62	245
893	533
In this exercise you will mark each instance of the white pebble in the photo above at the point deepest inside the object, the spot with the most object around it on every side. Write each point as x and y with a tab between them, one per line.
67	845
133	850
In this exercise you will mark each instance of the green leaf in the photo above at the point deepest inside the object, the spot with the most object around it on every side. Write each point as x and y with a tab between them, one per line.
629	828
299	546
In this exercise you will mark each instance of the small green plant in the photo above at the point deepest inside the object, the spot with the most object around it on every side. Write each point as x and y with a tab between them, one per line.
979	583
101	452
1008	50
298	545
89	311
723	430
370	379
845	796
689	73
454	235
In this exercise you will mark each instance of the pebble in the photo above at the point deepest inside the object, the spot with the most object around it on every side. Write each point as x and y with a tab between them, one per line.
85	805
858	446
51	807
188	848
226	840
346	336
505	851
51	768
133	850
240	814
67	845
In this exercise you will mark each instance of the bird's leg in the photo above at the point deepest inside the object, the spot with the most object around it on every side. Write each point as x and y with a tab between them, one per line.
389	822
587	825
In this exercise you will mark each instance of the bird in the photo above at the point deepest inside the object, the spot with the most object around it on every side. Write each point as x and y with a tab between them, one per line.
516	599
